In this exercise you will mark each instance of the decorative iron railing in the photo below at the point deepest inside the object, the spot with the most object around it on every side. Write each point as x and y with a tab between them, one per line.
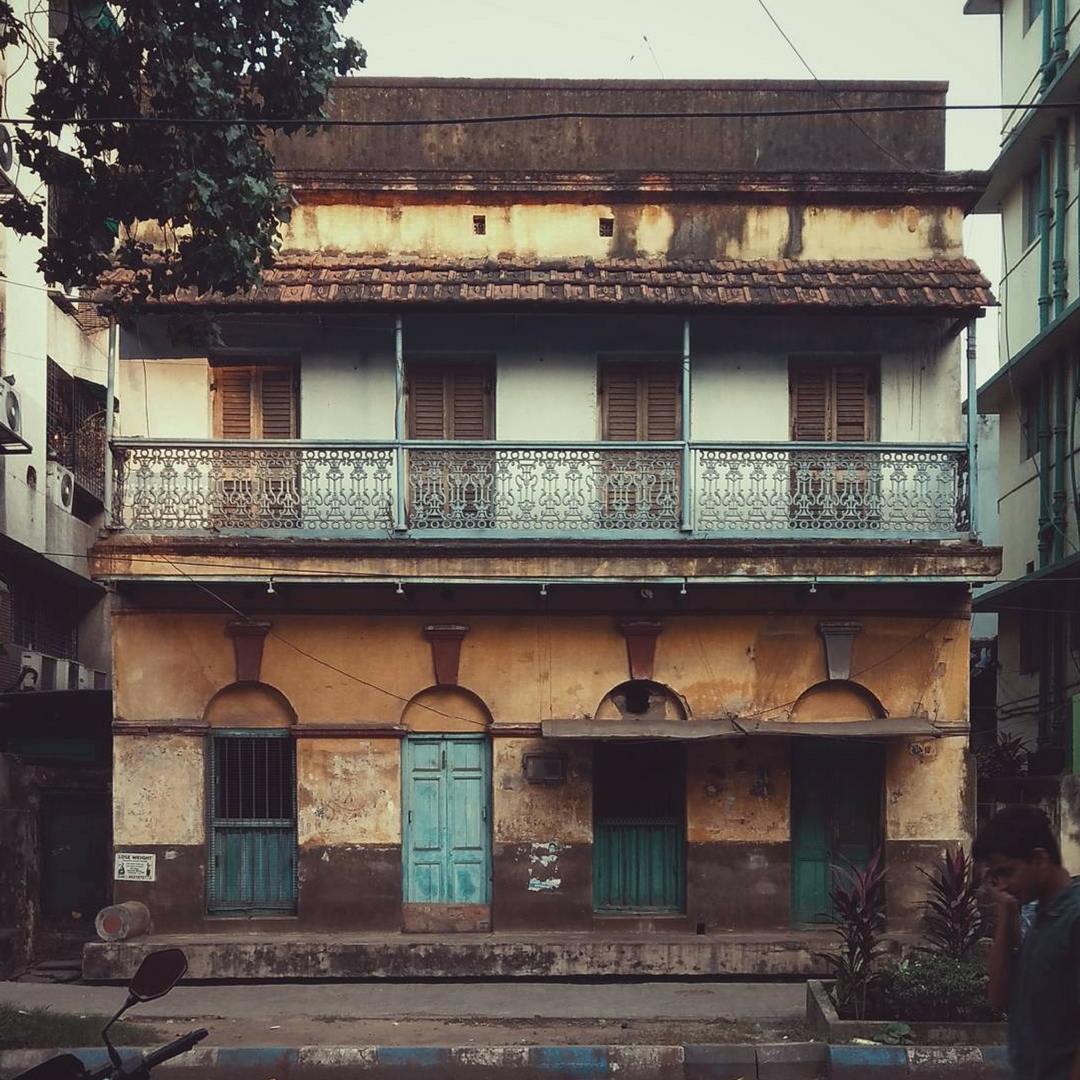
541	490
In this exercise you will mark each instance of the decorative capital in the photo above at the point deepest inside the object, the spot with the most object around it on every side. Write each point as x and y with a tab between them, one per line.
445	639
641	638
248	639
839	638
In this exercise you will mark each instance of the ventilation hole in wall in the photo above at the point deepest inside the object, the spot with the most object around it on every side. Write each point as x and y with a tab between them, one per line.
31	476
479	225
607	226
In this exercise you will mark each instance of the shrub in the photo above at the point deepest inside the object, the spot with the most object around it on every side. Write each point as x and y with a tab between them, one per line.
954	920
1007	755
930	987
858	918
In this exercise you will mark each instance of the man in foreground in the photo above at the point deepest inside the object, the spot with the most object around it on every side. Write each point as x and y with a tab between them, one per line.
1034	976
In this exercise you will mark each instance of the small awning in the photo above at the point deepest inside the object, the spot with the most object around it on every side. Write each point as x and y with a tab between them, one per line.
639	729
899	727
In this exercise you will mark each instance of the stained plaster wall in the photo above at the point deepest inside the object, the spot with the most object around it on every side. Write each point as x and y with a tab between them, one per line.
525	669
547	373
689	230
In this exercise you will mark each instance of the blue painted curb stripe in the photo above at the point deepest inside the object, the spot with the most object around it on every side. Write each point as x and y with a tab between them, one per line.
577	1061
412	1056
868	1057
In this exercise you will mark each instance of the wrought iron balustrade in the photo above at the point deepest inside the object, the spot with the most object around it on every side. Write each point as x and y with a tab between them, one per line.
541	490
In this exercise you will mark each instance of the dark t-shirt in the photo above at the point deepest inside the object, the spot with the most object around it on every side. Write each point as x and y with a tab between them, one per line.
1044	1006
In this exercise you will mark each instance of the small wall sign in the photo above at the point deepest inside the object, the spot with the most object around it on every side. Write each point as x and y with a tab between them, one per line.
135	866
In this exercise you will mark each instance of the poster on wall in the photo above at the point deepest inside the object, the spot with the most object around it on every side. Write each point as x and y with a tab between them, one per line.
135	866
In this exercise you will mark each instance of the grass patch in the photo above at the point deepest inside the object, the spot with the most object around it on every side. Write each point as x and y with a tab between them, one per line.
42	1028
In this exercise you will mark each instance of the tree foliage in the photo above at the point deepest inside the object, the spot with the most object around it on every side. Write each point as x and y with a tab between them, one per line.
165	66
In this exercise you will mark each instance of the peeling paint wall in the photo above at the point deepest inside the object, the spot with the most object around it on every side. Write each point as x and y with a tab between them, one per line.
929	792
348	791
158	789
525	669
686	230
547	814
738	791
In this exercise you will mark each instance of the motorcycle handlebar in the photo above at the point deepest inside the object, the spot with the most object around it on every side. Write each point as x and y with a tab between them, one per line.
143	1066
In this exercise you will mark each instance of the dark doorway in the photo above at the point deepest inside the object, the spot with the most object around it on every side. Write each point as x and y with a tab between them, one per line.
835	816
75	844
639	831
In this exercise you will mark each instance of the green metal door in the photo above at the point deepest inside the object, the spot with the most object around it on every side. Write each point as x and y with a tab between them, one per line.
252	797
639	833
835	816
446	798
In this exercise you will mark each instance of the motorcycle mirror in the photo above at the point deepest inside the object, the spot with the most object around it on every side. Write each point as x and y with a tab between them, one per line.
61	1067
158	973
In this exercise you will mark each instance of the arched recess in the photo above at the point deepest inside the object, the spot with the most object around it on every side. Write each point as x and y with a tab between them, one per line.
446	709
249	705
837	699
642	699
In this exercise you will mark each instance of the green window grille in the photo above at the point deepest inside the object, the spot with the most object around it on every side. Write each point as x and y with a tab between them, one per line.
252	806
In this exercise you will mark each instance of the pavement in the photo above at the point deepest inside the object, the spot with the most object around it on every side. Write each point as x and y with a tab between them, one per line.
670	1030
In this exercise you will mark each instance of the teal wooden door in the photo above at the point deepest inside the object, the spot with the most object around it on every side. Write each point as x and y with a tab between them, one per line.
835	815
639	832
447	800
252	864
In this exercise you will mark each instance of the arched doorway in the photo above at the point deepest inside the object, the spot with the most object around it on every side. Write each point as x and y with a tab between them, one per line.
446	798
836	795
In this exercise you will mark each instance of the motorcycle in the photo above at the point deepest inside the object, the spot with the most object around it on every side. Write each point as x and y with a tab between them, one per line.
158	973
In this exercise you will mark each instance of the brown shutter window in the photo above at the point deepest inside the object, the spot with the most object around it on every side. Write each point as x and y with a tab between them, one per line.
451	402
833	404
640	403
255	401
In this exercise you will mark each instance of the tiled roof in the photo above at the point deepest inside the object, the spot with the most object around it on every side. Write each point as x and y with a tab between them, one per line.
325	280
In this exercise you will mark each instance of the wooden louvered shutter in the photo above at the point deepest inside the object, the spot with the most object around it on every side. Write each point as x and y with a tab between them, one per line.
233	397
661	405
640	403
833	404
621	413
810	393
450	403
277	403
470	401
853	399
427	405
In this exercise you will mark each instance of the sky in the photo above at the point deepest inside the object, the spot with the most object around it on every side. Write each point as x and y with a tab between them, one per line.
713	39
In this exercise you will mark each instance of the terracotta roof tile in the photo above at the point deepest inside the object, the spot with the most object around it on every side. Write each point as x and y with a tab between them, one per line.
919	284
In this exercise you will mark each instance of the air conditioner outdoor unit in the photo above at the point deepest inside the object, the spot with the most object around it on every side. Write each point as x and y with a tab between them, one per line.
9	163
67	675
31	671
60	483
10	409
92	679
49	673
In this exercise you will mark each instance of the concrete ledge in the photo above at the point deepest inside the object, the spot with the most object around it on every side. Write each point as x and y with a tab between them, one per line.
779	1061
265	958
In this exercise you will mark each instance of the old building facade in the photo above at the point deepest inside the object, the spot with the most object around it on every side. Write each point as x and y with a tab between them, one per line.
1036	393
55	711
571	534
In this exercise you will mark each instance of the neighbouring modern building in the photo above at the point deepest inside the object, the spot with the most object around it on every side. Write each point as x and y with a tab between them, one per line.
571	535
55	711
1036	392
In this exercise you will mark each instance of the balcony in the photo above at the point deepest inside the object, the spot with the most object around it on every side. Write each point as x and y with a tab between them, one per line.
419	490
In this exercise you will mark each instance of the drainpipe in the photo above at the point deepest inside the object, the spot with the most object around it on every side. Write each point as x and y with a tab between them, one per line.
1061	198
1060	44
972	433
1058	379
110	406
1045	215
686	523
1047	66
1045	521
400	523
